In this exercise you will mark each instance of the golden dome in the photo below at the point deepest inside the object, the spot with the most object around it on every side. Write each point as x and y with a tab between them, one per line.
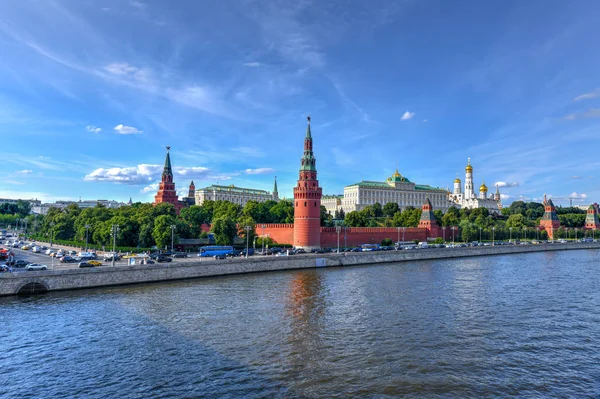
483	188
396	174
469	168
457	180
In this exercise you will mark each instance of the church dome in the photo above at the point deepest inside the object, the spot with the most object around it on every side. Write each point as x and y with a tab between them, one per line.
396	177
457	180
483	188
469	168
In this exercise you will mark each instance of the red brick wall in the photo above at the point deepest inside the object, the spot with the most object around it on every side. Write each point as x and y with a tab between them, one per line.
366	235
280	233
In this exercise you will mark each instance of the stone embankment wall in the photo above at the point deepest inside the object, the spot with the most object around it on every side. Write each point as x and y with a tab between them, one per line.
12	283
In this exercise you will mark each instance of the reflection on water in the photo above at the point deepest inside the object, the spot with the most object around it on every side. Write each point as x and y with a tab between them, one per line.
519	325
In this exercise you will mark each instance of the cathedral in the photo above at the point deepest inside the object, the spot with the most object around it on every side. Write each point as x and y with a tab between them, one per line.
468	199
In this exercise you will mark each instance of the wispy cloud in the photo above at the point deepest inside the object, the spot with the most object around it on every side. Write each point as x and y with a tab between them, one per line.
506	184
253	64
588	96
575	177
590	113
259	171
93	129
24	171
149	174
349	102
125	70
407	115
122	129
150	188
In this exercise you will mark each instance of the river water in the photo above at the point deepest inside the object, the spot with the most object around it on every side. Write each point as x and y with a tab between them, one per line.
517	325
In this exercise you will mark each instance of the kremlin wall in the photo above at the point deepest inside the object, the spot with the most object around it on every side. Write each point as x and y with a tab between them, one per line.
306	231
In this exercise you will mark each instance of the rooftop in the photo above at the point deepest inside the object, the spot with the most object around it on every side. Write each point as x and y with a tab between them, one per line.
234	189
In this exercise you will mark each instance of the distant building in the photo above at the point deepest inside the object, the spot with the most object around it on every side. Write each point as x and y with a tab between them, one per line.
468	199
33	202
237	195
396	188
191	197
43	209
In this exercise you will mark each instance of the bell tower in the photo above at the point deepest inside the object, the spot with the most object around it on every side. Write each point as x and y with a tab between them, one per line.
307	199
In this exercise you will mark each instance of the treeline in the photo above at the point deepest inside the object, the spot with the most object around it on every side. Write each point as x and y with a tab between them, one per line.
10	213
146	225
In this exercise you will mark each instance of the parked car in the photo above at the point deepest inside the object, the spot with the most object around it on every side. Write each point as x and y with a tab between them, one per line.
49	251
68	259
163	258
35	266
36	250
180	255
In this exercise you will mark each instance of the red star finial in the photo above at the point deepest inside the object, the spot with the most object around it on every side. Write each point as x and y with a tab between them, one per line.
168	148
308	118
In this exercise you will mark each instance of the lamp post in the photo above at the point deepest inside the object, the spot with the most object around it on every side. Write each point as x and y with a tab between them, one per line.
173	227
403	231
337	230
51	233
452	228
263	239
25	228
398	228
87	228
444	232
479	234
114	229
524	233
493	235
510	234
247	228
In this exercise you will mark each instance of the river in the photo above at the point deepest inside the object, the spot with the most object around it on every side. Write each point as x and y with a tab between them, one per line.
515	325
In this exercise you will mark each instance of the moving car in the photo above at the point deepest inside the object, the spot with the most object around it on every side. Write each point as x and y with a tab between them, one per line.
163	258
67	259
36	266
95	263
219	256
180	255
36	250
110	256
20	263
85	264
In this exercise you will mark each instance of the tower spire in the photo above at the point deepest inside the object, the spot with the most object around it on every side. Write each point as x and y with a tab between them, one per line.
275	186
167	169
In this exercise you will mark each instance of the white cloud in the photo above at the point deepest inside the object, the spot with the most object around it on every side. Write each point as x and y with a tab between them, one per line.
506	184
93	129
8	181
150	188
576	177
575	195
504	196
260	171
138	4
196	171
25	171
425	120
122	129
407	115
252	64
588	96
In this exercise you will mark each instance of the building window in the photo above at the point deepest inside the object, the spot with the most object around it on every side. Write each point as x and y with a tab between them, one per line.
304	203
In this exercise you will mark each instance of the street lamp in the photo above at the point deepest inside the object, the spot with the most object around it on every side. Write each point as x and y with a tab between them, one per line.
494	235
510	234
337	230
114	230
452	228
398	228
87	228
403	231
444	233
247	228
51	233
479	235
263	239
173	227
254	243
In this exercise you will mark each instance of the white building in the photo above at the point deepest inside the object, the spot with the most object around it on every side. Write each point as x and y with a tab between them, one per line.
42	209
468	199
396	188
237	195
33	202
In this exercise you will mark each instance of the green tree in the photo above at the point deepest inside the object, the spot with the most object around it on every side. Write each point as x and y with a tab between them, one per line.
194	216
390	209
355	219
282	212
224	230
377	210
386	242
162	230
516	221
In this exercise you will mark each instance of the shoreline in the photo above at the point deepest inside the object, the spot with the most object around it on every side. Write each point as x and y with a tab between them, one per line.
106	276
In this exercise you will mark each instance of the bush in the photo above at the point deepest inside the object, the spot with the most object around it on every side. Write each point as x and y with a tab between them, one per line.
386	242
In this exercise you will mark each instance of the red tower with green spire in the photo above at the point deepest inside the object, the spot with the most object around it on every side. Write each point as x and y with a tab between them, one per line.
428	221
166	188
307	199
549	221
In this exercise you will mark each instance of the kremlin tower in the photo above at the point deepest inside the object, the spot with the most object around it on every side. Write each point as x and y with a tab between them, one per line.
428	221
549	221
166	188
591	219
469	189
307	200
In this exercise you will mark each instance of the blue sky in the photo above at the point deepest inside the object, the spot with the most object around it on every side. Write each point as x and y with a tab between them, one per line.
91	92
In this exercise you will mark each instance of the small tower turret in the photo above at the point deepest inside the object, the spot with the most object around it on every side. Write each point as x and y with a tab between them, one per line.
275	192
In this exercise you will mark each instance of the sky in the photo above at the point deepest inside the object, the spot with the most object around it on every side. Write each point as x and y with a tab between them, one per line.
92	91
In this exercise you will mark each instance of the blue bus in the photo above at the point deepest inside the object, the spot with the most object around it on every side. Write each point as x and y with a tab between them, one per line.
212	250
